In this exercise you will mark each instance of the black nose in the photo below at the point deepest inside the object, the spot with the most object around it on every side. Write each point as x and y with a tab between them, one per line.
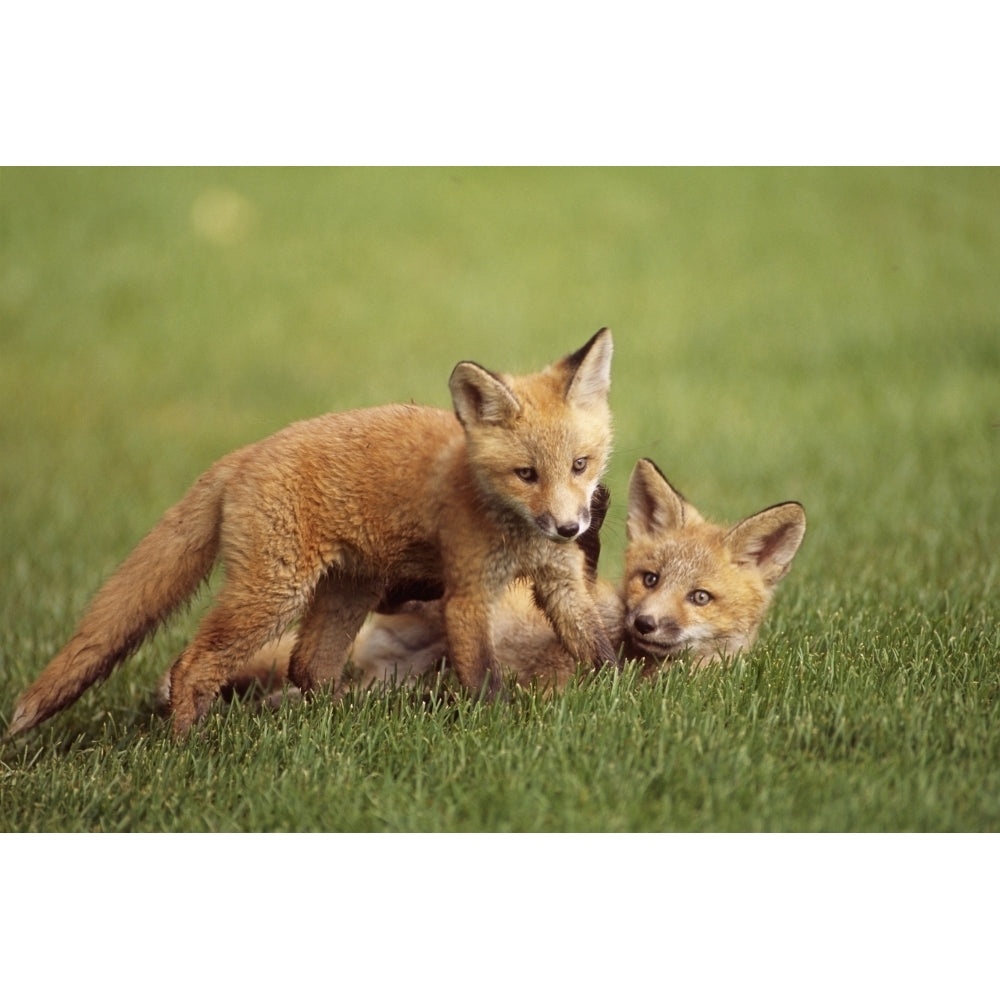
644	624
570	530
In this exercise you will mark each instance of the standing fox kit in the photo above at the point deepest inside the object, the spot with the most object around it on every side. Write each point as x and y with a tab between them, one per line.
329	518
690	587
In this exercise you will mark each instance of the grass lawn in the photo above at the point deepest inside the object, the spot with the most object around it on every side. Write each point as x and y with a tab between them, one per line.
830	336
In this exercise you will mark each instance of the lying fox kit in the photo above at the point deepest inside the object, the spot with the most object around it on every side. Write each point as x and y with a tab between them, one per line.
691	588
694	587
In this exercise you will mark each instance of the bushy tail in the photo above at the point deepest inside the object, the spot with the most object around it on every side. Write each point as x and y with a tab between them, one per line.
163	570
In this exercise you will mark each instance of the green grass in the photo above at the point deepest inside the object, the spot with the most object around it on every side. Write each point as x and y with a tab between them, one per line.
831	336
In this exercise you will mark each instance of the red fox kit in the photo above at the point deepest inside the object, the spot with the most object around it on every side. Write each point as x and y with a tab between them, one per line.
331	517
693	586
690	588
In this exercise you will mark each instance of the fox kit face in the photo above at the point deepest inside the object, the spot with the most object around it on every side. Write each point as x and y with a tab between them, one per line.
539	444
695	586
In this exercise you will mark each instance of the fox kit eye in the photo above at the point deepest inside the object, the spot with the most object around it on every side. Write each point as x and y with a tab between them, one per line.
650	580
527	474
699	597
579	465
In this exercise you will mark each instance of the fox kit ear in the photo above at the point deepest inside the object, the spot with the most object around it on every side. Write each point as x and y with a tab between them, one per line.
769	539
480	397
589	370
654	506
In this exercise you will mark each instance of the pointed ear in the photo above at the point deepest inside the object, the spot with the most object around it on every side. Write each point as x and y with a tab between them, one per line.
589	371
480	397
654	506
769	539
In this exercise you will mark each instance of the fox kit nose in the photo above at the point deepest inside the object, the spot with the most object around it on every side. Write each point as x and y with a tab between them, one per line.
644	624
569	530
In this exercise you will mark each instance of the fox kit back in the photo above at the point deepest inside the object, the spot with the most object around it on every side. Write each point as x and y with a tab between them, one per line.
328	518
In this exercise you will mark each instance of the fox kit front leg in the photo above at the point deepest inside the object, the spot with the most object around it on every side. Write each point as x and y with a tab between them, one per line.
570	607
470	644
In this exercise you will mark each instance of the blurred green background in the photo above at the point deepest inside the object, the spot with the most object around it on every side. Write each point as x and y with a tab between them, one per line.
826	335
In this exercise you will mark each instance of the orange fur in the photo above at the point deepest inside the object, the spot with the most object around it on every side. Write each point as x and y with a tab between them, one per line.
331	517
691	588
694	587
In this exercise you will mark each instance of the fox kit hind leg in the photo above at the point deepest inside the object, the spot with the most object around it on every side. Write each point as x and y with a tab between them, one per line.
255	606
221	648
231	635
337	612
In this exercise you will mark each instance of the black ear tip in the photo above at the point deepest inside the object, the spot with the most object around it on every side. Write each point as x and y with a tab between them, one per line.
659	472
576	358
